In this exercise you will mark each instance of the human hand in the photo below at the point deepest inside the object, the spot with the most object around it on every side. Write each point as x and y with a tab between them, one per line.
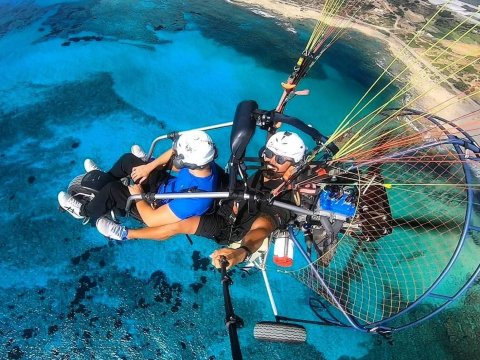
233	256
140	173
135	189
290	171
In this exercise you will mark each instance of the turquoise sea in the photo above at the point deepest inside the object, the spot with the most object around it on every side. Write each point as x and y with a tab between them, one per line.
89	79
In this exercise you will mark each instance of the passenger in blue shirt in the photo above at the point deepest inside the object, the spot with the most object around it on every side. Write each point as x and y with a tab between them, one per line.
193	154
232	222
184	181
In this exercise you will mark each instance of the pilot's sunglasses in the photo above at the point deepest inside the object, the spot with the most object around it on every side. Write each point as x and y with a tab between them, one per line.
268	154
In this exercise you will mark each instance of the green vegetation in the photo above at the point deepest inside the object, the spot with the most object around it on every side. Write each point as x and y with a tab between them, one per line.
404	18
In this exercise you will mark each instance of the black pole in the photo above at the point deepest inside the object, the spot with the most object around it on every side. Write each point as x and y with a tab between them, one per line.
231	320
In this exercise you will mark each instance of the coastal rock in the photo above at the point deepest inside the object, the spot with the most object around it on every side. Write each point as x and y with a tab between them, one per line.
463	336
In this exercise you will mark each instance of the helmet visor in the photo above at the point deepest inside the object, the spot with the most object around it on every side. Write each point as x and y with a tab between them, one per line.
280	159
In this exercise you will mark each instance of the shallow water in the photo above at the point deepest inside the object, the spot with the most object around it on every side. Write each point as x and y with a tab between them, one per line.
90	78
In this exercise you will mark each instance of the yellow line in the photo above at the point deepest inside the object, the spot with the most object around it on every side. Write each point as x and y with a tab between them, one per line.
345	120
402	91
372	115
354	143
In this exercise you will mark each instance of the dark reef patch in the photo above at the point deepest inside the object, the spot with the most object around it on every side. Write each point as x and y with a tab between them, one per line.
78	300
91	321
164	292
76	39
142	303
15	353
52	329
28	333
68	104
85	38
83	287
103	18
117	323
196	287
200	263
19	16
84	257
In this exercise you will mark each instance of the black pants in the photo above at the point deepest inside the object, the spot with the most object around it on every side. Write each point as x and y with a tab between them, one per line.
114	194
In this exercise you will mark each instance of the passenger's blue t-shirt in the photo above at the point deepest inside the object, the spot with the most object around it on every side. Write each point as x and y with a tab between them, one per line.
184	182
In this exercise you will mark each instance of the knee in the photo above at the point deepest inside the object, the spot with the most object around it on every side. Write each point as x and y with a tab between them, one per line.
128	158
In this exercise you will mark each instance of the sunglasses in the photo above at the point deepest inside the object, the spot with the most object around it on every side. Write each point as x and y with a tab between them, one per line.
279	159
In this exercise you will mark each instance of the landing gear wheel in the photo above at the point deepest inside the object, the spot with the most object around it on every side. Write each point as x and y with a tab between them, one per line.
280	332
75	185
77	189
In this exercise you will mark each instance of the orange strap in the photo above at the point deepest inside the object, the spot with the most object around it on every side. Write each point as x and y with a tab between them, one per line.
288	87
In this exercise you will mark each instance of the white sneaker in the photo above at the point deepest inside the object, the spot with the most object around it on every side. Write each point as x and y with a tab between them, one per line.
90	165
138	152
111	229
70	204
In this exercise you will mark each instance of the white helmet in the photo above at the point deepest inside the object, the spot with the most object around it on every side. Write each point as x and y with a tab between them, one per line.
193	149
287	144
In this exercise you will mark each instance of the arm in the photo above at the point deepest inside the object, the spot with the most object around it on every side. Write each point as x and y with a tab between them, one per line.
253	239
153	217
140	173
156	217
187	226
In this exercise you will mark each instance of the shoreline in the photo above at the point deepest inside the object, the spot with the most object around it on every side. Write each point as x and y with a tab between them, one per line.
435	96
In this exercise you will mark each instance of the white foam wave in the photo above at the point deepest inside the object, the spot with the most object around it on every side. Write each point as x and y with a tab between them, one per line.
261	13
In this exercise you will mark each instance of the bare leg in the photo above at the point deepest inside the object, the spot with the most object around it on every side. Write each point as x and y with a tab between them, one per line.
187	226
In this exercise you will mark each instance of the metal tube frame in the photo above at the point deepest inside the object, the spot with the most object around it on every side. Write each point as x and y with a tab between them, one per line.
456	142
170	135
218	195
379	326
382	325
353	322
269	292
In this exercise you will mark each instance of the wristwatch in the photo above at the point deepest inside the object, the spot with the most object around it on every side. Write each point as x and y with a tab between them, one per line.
247	250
